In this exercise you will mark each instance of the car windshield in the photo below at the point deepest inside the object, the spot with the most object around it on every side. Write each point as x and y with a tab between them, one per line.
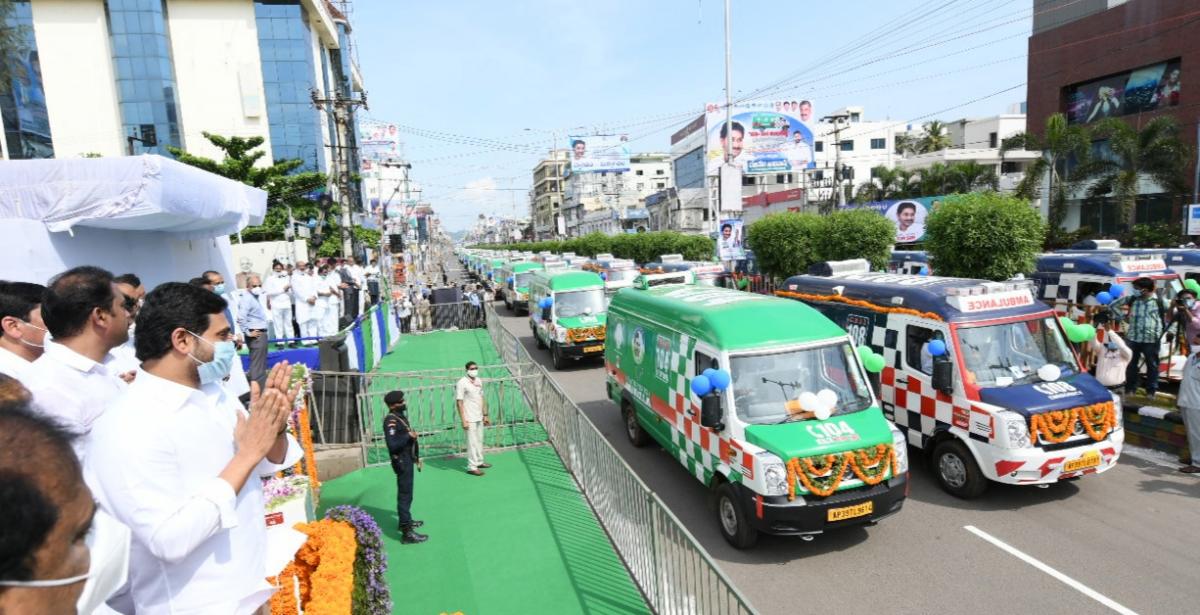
622	275
763	385
709	279
579	302
521	280
1000	355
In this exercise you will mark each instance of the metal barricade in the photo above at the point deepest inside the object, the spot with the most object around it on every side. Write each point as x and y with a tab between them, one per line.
674	573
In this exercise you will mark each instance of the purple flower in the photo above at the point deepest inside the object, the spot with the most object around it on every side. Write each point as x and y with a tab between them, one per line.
371	593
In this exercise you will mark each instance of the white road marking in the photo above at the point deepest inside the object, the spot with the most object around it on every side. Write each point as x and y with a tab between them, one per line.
1032	561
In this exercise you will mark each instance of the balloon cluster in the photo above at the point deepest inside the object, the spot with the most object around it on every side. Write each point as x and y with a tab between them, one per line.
545	302
821	403
1106	297
871	360
710	380
1077	333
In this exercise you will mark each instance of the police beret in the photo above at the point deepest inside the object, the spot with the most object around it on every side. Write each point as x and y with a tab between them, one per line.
394	397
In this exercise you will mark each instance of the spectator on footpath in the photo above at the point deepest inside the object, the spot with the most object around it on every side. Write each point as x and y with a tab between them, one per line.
1112	354
1189	407
22	332
252	320
59	555
1145	318
278	289
74	378
405	452
472	407
177	459
131	286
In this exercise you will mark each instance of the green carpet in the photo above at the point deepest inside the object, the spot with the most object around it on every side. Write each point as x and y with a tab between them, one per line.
520	540
430	397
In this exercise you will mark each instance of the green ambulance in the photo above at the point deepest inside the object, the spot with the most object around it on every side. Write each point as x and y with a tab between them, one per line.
766	403
514	282
566	313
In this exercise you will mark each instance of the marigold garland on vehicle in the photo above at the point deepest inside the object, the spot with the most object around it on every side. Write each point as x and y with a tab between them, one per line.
858	303
821	475
1057	426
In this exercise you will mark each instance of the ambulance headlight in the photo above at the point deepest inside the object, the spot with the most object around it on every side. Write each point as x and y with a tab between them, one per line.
1017	431
775	476
900	445
1118	412
560	334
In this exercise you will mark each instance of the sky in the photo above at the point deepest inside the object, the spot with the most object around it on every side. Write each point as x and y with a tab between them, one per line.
483	89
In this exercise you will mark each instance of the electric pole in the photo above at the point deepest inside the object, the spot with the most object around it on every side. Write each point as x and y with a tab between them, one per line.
342	109
837	120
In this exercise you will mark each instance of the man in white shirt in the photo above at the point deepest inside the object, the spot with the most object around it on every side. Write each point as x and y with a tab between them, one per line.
130	286
74	378
304	295
333	310
21	328
472	407
278	290
177	460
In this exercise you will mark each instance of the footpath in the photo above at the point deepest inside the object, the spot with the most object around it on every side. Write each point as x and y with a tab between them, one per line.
519	540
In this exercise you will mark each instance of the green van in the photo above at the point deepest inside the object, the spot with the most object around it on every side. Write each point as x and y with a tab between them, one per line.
513	280
566	313
766	403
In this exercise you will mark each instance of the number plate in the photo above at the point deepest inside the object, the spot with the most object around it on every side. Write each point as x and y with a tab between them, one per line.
1089	460
850	512
589	349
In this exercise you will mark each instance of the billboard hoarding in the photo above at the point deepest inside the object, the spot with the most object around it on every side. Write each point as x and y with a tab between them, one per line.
764	137
378	140
599	153
731	245
1148	88
908	215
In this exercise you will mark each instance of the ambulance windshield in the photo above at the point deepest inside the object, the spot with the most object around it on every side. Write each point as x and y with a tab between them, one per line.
579	302
1002	355
521	280
621	275
767	387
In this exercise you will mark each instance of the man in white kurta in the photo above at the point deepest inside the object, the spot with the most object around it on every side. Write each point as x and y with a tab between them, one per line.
177	460
304	298
329	323
277	288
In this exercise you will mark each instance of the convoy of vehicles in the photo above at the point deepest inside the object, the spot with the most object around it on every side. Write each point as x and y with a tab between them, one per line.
977	374
514	284
567	314
617	273
763	400
706	273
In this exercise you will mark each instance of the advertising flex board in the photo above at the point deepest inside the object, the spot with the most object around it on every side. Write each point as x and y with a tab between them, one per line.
764	137
596	153
1148	88
908	215
731	244
378	140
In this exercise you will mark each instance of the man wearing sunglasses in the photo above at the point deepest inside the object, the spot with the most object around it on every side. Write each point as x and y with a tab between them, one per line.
131	287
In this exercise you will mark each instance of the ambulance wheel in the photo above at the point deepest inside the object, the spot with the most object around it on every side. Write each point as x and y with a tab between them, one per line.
957	471
731	517
556	357
540	344
637	436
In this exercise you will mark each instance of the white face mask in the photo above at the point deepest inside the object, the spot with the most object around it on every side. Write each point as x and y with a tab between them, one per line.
32	345
473	373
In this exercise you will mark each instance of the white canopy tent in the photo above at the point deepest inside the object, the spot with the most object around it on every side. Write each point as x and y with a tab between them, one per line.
149	215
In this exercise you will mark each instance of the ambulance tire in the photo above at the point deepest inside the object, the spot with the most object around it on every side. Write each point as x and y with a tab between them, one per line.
637	436
557	358
733	520
538	341
956	470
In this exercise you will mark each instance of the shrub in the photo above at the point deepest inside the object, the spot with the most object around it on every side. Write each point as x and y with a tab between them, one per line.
984	235
1160	235
856	233
784	244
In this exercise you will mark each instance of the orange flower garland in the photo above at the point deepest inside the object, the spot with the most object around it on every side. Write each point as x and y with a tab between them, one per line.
809	471
324	567
859	303
1057	425
310	457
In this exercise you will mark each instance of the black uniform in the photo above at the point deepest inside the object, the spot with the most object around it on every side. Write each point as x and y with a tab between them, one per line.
404	451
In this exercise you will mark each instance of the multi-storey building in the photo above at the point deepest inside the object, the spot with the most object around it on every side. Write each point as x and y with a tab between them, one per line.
615	202
546	196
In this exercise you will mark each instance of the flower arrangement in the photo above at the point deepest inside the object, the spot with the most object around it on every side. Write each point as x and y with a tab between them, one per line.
300	426
822	474
371	594
323	571
279	490
1057	425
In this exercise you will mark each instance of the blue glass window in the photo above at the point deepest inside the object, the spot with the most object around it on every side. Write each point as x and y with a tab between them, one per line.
23	103
289	76
145	74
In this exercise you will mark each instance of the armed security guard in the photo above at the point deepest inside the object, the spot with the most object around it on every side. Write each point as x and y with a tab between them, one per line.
405	452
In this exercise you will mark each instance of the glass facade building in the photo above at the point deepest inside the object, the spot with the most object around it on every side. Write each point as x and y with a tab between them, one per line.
289	76
23	101
146	91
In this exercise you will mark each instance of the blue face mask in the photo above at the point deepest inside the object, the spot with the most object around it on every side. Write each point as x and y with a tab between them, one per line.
219	288
222	362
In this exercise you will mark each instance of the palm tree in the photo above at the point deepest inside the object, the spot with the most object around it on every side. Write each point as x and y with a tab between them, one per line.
905	144
886	184
935	179
1058	143
971	176
1155	152
935	138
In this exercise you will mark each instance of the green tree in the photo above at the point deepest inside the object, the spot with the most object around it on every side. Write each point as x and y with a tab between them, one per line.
284	186
906	144
784	244
935	179
935	138
984	235
855	233
971	176
887	184
1058	143
1155	152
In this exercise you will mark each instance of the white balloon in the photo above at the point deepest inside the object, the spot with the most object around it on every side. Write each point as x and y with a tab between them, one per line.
824	412
827	397
808	401
1049	372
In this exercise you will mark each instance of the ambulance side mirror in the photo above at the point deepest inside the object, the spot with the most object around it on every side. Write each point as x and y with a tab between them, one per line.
943	376
710	411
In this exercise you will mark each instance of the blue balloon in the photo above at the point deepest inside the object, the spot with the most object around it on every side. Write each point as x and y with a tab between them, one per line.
701	386
708	373
719	379
511	279
603	276
1116	290
489	275
549	301
937	348
1104	297
924	271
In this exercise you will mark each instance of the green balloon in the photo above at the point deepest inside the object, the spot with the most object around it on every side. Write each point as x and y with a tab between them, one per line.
1066	323
864	353
1192	285
874	363
1080	333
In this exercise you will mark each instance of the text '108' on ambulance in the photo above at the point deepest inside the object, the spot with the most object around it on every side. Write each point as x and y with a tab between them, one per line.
977	374
567	314
761	399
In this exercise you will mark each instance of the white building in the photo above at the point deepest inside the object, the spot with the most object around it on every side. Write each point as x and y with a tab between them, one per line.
978	140
612	203
546	196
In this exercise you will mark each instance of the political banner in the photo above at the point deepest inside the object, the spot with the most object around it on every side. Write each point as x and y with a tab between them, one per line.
731	244
907	214
764	137
599	153
378	140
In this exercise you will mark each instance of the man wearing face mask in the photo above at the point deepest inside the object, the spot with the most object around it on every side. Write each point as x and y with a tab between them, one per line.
178	461
405	452
75	377
1145	318
472	407
1186	310
252	320
236	381
21	328
278	290
304	290
60	555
